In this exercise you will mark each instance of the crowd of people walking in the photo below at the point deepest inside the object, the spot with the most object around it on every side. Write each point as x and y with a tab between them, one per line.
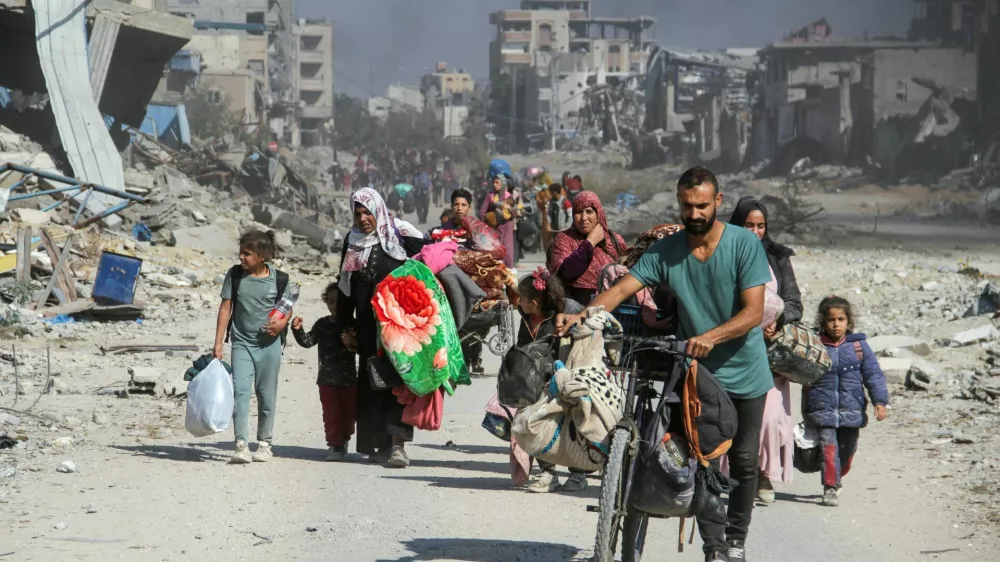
721	277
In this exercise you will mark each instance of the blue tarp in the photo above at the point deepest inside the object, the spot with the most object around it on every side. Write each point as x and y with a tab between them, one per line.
168	123
186	61
4	97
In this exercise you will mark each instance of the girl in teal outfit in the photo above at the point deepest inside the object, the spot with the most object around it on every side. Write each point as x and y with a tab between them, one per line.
249	292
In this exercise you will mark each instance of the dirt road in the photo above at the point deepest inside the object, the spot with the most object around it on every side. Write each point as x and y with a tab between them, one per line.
145	490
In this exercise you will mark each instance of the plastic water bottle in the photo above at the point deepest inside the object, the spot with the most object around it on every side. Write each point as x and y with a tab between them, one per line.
284	306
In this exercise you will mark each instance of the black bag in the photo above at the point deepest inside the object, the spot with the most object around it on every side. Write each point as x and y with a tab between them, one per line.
710	418
382	373
664	483
524	372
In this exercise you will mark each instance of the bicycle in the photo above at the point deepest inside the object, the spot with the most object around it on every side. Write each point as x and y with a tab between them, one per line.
644	362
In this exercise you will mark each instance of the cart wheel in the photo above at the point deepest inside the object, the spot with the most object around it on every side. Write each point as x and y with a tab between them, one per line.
609	516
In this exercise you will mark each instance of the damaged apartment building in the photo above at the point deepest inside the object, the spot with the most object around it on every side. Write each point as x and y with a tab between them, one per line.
554	51
900	105
276	72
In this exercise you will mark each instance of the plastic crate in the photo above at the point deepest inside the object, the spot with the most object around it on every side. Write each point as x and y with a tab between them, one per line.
630	317
117	275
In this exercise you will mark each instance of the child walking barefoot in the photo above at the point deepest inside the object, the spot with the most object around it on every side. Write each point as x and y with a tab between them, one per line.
338	375
249	292
836	404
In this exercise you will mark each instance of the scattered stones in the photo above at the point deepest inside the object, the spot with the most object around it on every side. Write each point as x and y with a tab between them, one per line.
930	286
66	467
72	422
879	279
99	418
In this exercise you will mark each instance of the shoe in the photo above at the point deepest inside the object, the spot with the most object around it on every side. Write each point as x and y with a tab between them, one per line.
765	490
263	453
831	497
398	458
543	483
717	557
242	455
336	453
737	551
576	483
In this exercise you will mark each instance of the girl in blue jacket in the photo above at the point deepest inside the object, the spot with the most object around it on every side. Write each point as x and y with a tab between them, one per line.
836	404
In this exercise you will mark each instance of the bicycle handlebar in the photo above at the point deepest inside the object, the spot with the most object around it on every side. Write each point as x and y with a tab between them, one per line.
666	344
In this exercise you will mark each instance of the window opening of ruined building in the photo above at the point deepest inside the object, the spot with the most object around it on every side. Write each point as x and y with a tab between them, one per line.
902	93
256	65
545	35
215	97
255	18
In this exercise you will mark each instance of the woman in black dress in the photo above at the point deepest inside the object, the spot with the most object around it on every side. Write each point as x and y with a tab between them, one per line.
376	246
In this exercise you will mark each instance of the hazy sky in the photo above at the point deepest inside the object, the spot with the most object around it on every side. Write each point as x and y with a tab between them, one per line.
381	42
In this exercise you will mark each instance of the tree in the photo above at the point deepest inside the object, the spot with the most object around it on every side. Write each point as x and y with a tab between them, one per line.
209	113
354	125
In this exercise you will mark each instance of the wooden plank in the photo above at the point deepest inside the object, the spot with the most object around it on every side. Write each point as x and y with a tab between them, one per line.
23	267
67	286
56	270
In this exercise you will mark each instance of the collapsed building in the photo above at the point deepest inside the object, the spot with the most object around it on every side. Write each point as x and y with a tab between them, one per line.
554	51
81	74
898	105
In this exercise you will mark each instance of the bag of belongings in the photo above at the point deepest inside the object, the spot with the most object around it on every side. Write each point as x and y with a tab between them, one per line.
798	353
693	425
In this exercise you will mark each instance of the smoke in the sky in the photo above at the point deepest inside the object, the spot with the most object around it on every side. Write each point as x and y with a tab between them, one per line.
382	42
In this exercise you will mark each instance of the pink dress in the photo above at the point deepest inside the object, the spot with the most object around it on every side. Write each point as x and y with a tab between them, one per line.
777	440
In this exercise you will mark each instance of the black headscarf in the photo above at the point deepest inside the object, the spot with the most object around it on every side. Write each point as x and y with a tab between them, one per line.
743	209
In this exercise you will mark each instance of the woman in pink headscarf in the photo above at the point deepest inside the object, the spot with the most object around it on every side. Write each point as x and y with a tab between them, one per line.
500	209
579	253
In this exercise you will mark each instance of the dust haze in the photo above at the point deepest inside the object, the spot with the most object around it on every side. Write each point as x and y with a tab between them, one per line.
381	42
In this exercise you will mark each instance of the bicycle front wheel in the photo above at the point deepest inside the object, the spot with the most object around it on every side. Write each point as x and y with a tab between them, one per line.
634	536
609	516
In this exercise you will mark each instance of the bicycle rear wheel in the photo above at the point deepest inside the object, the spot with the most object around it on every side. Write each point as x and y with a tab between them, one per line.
609	517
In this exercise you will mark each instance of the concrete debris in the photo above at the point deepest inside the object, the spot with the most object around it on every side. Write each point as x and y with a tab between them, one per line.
975	335
99	418
66	467
923	374
895	369
883	344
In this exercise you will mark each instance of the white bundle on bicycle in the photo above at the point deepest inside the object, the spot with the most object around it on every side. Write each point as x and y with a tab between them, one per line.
570	425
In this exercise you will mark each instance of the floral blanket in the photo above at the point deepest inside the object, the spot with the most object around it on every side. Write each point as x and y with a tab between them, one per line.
490	274
418	331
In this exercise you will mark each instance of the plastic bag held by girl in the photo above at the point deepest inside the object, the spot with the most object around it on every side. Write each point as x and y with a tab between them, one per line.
210	401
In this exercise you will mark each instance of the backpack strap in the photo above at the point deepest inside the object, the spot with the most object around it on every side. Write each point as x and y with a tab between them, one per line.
691	410
859	350
235	275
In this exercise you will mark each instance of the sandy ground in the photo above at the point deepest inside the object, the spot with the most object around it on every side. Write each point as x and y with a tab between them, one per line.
146	490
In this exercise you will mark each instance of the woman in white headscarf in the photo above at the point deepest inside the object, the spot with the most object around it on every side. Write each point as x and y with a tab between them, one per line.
376	245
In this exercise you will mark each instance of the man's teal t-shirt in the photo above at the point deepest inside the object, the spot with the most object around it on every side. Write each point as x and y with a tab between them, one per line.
708	296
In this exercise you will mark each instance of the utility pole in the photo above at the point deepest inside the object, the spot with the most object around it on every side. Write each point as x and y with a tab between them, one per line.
554	105
513	107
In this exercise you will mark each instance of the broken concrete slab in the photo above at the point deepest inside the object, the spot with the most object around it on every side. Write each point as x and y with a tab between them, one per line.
881	344
923	374
209	238
895	369
33	217
975	335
